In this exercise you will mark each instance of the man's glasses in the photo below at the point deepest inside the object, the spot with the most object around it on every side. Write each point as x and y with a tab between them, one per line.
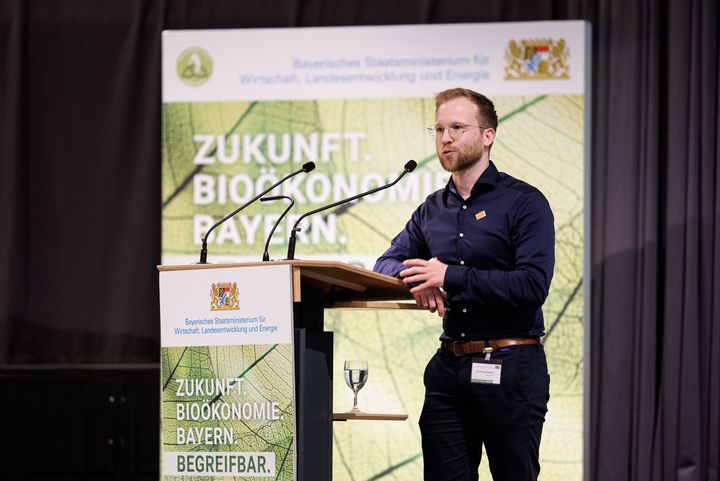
455	130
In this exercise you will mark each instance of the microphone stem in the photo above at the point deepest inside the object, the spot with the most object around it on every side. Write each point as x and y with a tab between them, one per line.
291	241
266	254
203	252
291	244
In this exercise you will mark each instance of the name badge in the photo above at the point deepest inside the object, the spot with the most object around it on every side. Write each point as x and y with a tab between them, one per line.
486	371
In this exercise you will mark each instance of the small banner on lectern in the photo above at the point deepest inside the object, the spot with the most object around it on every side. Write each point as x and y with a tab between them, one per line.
227	373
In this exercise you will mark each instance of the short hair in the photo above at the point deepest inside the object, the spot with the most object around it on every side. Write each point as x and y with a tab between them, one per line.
486	109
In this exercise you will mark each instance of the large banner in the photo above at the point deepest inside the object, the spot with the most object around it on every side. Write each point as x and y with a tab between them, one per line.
243	108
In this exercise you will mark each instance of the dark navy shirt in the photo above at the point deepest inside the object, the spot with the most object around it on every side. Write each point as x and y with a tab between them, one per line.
499	245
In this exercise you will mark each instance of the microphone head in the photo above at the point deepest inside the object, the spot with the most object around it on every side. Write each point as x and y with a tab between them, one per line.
308	167
410	166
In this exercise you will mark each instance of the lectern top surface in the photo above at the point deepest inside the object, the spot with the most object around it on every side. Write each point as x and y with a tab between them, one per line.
344	281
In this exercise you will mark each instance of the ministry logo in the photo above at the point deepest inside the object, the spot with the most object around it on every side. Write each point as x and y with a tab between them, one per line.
194	66
224	297
537	59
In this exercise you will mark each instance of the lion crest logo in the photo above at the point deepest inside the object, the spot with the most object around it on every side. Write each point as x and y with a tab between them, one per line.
224	297
537	59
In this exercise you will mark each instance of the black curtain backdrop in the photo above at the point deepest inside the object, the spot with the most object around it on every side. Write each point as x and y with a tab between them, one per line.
80	196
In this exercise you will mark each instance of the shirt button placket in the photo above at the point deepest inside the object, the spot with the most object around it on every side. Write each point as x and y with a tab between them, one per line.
461	224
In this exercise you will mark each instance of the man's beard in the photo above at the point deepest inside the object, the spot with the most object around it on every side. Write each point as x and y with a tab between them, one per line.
464	159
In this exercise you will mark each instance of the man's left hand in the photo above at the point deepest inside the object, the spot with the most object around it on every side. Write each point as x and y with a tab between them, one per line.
424	273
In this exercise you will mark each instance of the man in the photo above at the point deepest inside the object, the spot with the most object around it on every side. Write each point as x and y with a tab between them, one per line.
480	252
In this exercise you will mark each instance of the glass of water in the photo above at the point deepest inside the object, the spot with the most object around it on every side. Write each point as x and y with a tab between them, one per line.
356	374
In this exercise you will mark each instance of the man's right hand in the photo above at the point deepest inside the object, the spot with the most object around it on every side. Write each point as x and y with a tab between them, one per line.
432	299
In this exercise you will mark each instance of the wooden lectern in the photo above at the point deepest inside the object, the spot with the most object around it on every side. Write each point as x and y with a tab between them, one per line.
316	286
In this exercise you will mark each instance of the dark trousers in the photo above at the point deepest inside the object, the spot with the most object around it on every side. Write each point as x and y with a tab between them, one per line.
459	416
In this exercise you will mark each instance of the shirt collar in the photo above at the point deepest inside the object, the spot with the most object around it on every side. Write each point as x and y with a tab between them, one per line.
489	177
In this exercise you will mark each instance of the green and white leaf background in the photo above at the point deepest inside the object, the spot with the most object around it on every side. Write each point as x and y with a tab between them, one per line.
265	372
540	139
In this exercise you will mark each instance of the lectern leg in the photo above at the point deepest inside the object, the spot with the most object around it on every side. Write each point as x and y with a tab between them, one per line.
313	388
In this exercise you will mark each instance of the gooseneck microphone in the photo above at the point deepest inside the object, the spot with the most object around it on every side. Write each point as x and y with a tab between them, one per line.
266	256
409	167
203	251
